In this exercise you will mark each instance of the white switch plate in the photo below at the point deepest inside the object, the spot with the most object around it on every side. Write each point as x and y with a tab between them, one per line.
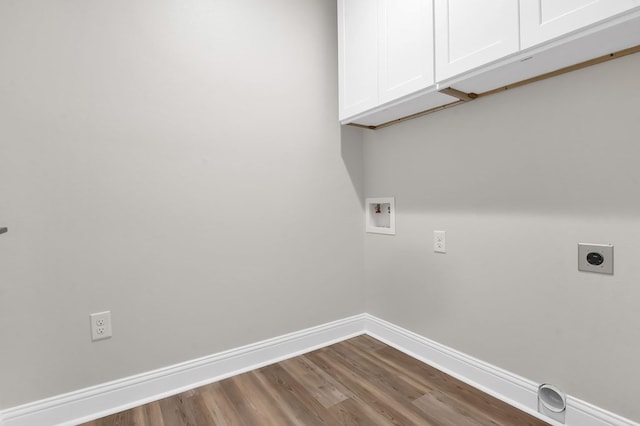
101	325
439	241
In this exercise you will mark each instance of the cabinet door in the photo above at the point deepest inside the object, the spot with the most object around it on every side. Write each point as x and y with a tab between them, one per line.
405	47
357	55
471	33
542	20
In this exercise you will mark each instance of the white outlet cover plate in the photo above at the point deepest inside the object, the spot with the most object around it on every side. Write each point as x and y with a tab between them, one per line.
439	241
605	250
100	325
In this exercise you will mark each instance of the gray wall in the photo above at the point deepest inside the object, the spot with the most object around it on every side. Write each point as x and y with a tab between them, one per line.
176	162
180	164
517	180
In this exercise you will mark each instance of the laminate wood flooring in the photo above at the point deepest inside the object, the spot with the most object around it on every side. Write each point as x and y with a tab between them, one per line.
360	381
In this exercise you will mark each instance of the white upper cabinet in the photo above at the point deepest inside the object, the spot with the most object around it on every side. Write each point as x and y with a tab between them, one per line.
543	20
403	58
385	53
358	55
471	33
405	49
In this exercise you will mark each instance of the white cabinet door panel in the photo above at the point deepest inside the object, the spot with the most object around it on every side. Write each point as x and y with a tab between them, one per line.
405	47
358	55
542	20
471	33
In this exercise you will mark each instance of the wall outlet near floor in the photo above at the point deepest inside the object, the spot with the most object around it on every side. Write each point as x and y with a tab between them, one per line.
439	241
100	325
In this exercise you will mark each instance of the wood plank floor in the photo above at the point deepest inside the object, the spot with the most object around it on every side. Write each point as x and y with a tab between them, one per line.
360	381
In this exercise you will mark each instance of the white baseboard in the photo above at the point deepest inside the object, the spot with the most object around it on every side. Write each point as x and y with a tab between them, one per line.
98	401
101	400
513	389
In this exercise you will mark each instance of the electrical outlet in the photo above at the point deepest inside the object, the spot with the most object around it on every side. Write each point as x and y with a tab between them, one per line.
439	242
595	258
100	325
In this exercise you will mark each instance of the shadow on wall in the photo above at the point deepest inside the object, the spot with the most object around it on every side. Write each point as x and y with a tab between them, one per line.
351	141
564	145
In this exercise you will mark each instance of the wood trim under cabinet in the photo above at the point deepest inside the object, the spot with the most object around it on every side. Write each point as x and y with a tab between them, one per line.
459	94
565	70
466	97
412	116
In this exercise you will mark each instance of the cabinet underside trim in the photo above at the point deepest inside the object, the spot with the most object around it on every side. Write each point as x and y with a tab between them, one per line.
459	94
416	115
466	97
565	70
